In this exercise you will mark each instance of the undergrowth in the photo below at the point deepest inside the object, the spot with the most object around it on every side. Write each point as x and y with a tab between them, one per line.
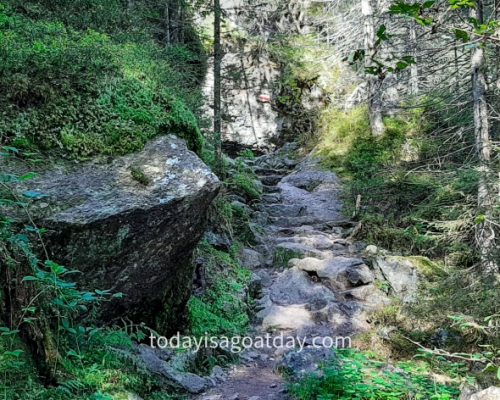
408	204
356	375
222	308
418	197
104	87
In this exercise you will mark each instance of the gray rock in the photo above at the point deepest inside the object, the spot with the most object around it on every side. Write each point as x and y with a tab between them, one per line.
371	251
294	286
250	258
282	210
401	274
218	374
294	250
491	393
305	362
339	272
168	371
271	198
219	241
130	236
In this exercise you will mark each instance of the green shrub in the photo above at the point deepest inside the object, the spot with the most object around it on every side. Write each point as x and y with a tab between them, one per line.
354	375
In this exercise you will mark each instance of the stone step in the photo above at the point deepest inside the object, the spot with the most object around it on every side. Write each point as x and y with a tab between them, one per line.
271	198
319	242
270	189
339	273
285	251
271	179
290	222
263	171
285	210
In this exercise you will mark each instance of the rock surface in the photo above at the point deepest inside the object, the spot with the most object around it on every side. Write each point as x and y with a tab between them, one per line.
491	393
401	275
130	226
313	284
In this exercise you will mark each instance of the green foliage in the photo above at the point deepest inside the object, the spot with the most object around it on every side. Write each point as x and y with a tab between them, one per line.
405	207
87	91
243	181
282	256
222	309
95	369
355	375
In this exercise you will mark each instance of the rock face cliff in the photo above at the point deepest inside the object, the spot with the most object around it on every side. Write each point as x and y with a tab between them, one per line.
130	226
248	78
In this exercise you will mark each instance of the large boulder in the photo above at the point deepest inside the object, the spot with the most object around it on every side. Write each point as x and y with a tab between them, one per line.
130	226
403	273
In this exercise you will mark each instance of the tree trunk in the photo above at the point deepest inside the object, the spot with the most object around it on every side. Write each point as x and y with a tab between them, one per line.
485	230
168	40
38	334
217	85
374	82
413	67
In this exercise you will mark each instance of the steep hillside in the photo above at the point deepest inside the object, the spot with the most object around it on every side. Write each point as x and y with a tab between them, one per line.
96	77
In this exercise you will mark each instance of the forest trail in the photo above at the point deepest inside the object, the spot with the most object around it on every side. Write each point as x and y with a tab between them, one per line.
312	282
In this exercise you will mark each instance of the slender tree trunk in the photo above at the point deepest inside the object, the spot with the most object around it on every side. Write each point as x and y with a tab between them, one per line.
374	83
217	85
485	231
168	40
414	89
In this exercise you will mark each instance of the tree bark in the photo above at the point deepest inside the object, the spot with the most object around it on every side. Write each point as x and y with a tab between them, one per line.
217	85
413	67
374	82
485	230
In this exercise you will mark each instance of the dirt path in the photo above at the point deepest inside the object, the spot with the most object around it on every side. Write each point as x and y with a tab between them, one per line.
314	283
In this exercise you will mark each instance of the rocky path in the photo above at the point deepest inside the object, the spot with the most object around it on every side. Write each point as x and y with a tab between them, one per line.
313	282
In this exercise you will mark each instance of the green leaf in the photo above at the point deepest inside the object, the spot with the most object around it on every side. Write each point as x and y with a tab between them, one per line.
480	219
28	176
381	34
401	65
461	35
29	278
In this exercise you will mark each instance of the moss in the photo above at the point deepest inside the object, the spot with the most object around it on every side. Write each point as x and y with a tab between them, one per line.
282	256
139	176
222	309
245	184
427	268
112	85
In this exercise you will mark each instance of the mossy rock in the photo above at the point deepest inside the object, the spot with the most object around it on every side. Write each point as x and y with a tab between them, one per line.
425	267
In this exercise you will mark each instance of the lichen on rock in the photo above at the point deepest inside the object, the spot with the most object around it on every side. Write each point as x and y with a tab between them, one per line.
126	236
